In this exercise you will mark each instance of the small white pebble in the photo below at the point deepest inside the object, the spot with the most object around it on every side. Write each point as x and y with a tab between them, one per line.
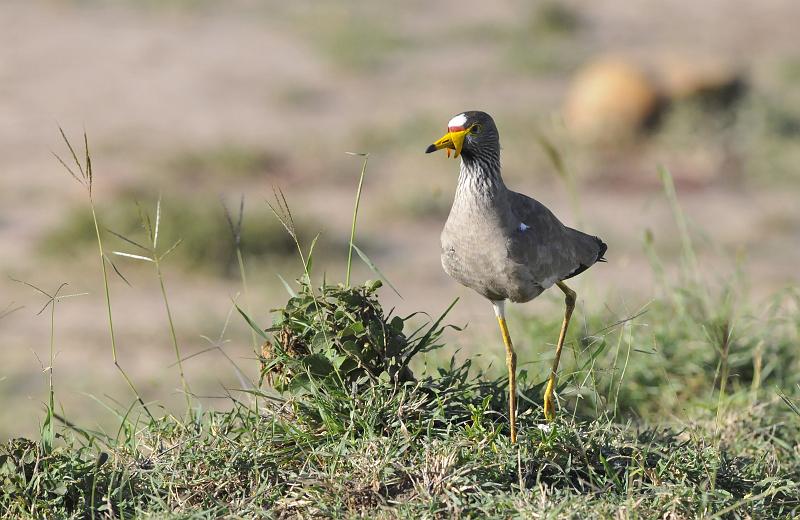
523	226
544	427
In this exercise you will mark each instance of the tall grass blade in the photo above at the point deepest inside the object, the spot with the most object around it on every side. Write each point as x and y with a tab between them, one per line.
690	259
158	223
117	271
288	287
432	330
284	215
236	233
135	257
170	249
252	324
310	256
47	431
791	404
10	309
74	155
374	268
355	217
87	182
128	240
155	258
557	159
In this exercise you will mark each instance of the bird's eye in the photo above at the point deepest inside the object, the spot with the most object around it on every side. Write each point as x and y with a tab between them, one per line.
476	129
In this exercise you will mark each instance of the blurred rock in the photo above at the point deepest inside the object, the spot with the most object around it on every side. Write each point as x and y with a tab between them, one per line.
708	80
610	99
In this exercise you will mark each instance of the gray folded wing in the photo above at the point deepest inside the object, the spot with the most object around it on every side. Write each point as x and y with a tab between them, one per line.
548	249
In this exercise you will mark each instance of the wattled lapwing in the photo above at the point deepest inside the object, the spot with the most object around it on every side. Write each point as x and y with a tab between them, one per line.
506	245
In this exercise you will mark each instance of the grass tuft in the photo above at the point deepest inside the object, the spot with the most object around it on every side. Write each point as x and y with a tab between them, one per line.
156	255
85	177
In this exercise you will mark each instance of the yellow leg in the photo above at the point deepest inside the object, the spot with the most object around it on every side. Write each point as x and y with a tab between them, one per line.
549	406
511	363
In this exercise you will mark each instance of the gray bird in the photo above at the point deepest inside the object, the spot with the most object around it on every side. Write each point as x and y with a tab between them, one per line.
506	245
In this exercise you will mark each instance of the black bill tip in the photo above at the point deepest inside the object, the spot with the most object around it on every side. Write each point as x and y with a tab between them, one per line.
431	148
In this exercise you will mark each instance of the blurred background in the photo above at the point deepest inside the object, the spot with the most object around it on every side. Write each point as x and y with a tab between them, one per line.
204	102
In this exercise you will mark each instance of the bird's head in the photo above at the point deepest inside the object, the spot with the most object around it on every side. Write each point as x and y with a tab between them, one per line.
472	134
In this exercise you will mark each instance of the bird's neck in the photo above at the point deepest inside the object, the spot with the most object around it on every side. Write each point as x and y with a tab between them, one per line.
480	178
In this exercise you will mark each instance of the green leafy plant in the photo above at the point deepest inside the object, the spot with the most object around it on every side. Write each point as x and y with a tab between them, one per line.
341	335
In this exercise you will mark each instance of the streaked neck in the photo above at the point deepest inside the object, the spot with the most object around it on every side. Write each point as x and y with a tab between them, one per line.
479	177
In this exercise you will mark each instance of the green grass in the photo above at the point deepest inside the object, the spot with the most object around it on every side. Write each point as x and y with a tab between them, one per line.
686	408
348	436
241	463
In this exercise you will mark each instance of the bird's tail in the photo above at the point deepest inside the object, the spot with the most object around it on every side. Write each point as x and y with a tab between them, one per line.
589	249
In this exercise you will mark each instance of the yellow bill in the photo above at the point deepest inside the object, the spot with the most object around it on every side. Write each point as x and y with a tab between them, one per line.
452	140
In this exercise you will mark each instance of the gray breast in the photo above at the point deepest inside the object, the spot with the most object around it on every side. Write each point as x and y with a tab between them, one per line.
477	243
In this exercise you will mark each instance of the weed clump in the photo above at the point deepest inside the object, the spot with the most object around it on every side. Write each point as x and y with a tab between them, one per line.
339	333
333	352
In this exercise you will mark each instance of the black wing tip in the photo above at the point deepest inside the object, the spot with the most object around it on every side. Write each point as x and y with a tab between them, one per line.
602	250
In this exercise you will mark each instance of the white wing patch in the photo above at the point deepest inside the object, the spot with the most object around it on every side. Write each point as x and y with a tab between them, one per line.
523	226
458	120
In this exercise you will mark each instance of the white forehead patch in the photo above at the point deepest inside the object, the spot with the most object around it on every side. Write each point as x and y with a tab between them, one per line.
458	120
